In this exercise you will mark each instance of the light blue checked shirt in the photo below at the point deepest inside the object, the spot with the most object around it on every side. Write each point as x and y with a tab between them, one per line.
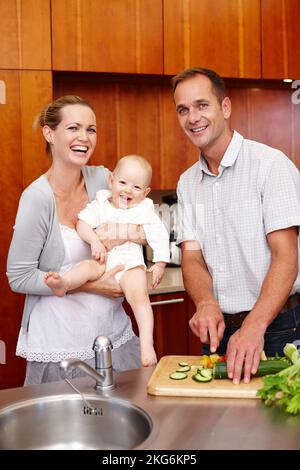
257	191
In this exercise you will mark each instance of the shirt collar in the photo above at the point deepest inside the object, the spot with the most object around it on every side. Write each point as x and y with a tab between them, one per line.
229	156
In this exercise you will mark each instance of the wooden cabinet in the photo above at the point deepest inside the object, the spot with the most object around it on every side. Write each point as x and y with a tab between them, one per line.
172	334
22	159
170	323
223	35
25	34
107	35
135	114
280	39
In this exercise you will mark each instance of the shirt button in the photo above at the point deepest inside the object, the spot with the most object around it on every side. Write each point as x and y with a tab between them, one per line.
222	297
221	269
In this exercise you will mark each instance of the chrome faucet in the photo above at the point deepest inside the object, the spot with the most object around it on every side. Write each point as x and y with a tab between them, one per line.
103	373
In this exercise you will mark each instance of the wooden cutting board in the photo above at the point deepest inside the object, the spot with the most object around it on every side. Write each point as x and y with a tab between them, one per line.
161	384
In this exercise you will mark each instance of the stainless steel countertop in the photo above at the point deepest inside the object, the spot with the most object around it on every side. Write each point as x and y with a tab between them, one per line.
187	423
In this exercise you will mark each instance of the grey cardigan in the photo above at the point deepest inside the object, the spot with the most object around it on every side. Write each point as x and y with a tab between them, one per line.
37	246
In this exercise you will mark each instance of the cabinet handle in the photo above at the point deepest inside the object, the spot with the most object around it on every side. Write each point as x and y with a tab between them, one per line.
170	301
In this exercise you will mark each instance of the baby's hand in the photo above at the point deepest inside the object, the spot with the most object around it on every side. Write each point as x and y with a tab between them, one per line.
157	271
98	251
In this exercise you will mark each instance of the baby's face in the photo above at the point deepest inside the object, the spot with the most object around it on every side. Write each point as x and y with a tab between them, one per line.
129	186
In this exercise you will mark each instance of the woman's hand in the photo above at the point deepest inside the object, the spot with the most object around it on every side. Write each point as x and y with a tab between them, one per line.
112	234
105	285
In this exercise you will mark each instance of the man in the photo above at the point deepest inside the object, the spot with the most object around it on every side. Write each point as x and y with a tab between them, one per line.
239	210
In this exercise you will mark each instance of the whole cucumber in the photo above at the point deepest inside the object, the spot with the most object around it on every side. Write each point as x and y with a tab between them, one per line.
268	367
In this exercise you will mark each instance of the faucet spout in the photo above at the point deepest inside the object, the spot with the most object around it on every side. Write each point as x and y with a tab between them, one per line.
103	373
69	364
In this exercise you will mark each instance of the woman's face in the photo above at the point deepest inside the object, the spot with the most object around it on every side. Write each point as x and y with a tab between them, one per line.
74	139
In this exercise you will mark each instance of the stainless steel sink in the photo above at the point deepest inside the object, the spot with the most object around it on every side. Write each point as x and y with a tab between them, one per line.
64	422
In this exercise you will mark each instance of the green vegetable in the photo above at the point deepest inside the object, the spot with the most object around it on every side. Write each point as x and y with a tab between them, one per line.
183	368
203	375
269	366
178	375
283	388
291	352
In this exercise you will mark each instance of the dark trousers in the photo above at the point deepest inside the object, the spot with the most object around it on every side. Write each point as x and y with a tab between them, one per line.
284	329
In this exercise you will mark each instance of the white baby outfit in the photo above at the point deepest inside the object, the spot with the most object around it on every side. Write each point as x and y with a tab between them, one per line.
65	327
130	254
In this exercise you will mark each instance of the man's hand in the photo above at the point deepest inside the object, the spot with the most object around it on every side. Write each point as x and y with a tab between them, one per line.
243	351
208	324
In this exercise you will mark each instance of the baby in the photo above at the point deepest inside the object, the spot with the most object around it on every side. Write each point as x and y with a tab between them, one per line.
125	202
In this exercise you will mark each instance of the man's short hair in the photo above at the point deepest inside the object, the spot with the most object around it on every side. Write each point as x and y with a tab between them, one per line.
217	82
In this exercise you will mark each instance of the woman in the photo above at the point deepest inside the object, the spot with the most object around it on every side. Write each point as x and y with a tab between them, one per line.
45	239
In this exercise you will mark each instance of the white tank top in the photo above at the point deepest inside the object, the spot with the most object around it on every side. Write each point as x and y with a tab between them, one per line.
65	327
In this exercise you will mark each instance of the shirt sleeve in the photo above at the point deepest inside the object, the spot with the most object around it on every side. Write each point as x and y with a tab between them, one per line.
158	238
281	195
189	220
28	241
91	214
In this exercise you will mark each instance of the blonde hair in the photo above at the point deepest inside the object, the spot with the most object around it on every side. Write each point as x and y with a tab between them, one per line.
141	161
51	114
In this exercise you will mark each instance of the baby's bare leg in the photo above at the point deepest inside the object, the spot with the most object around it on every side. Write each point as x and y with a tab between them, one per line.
134	286
87	270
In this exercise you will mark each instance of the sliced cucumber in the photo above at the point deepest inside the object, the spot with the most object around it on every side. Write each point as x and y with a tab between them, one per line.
206	373
183	364
183	369
200	378
178	375
197	366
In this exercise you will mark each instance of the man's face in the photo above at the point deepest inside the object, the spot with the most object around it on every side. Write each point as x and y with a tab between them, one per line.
200	114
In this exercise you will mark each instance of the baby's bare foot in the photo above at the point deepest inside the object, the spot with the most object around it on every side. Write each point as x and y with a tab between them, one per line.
56	283
148	355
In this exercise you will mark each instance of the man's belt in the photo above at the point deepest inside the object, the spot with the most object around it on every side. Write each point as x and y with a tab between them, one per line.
236	319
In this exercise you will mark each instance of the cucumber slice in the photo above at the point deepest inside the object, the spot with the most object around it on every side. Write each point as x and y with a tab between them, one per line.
201	378
206	373
197	366
183	369
183	364
178	375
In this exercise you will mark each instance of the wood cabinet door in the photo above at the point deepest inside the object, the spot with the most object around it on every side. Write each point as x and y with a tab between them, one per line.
223	35
23	94
144	122
170	323
280	39
107	35
25	34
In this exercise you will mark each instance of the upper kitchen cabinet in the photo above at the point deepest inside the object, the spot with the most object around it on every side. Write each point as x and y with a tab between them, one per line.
107	36
223	35
25	34
280	39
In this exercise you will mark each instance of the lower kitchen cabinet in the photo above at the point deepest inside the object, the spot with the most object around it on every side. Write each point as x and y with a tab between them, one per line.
171	329
170	323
